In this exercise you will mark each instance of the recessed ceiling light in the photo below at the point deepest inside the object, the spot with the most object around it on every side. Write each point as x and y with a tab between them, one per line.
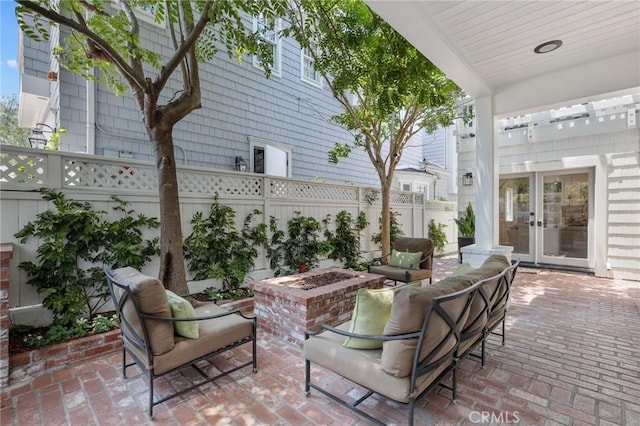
548	46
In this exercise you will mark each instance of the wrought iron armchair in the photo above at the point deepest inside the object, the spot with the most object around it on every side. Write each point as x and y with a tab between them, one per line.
148	332
422	271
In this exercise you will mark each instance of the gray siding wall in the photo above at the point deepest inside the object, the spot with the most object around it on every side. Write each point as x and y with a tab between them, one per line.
434	147
238	101
36	57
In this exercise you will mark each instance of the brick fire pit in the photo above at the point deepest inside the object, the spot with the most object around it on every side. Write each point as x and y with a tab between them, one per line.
287	311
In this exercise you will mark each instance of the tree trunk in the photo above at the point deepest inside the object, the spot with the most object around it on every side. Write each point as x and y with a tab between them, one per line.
172	268
385	227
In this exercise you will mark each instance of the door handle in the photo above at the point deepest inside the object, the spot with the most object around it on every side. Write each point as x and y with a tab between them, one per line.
539	223
532	223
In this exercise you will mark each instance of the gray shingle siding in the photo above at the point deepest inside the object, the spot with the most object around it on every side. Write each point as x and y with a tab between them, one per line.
434	147
238	101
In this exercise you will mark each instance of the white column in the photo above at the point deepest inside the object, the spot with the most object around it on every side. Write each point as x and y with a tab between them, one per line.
485	181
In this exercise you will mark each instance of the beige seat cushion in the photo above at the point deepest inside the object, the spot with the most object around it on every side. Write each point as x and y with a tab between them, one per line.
214	334
151	298
363	366
399	274
407	315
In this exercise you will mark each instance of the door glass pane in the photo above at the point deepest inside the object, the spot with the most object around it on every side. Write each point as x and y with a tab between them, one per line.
565	207
514	214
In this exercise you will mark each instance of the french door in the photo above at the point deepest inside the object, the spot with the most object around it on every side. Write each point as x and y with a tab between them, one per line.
547	217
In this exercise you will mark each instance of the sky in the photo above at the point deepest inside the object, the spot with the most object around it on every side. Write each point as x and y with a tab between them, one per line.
9	81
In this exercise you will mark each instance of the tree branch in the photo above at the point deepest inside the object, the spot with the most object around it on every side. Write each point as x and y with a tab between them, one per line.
175	60
106	52
135	61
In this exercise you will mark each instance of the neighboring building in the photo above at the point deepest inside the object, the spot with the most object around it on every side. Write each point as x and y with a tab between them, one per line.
429	164
569	188
278	126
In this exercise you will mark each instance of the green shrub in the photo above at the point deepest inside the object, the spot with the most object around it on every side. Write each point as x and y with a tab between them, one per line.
394	229
73	236
344	242
79	328
216	249
437	235
467	223
301	248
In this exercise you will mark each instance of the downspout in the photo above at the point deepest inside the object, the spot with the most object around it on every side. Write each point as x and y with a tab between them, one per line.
91	117
91	109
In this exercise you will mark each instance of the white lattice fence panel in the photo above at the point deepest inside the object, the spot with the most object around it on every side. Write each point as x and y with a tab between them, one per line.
310	191
401	197
23	169
369	195
101	175
224	185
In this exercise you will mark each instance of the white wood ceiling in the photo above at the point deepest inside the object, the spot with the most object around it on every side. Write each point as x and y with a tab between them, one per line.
498	37
487	46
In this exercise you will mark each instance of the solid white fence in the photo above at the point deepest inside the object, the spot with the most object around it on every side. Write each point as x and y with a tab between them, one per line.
95	179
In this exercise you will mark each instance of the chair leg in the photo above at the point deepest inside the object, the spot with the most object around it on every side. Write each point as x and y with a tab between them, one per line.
412	404
124	362
454	384
255	346
503	328
482	351
150	394
307	377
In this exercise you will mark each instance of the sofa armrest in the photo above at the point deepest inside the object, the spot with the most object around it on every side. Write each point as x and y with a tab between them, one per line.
381	337
203	318
381	257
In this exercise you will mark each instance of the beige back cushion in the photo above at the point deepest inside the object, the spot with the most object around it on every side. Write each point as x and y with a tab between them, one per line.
413	245
151	297
491	267
408	312
494	265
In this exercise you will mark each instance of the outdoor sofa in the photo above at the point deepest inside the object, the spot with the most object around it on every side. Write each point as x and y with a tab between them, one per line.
429	330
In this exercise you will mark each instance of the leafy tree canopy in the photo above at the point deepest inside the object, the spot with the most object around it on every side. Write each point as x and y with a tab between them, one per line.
10	133
108	36
388	89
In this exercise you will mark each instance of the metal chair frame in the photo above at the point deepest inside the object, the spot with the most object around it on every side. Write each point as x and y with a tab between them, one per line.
131	337
406	280
420	366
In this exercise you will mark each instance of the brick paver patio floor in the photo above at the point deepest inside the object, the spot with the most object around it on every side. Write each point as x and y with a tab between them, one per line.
572	357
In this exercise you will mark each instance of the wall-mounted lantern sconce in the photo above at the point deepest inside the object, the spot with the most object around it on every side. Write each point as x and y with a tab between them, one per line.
38	139
467	179
241	165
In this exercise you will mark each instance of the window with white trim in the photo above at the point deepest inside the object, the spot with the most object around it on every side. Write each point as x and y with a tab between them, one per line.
309	73
145	12
270	38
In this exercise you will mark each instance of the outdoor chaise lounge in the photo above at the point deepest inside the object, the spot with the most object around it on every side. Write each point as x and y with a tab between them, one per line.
411	259
430	329
148	316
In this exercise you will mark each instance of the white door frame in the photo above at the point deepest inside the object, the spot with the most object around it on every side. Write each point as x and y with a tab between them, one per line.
540	257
